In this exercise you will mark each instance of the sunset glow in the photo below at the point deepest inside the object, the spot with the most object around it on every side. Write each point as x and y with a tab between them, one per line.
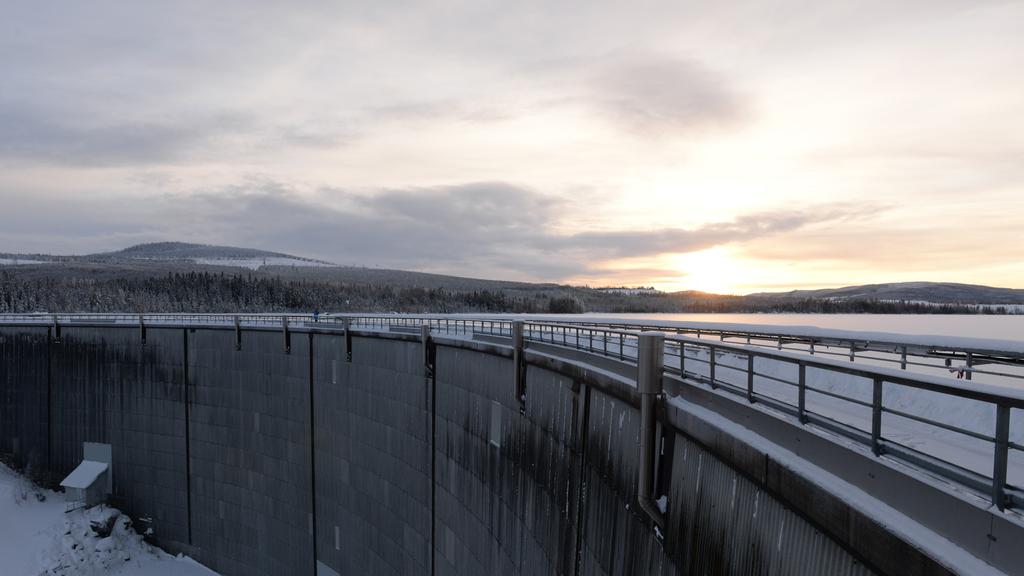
599	144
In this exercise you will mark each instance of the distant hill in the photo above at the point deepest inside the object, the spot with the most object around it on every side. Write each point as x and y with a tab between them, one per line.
185	250
207	254
178	276
936	292
172	252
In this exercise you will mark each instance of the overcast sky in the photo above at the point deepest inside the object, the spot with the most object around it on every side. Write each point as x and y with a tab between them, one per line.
723	146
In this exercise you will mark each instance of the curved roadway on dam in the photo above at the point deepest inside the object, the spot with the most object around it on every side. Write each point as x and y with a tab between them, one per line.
362	446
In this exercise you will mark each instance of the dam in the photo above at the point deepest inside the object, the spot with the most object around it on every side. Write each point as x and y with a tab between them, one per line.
459	446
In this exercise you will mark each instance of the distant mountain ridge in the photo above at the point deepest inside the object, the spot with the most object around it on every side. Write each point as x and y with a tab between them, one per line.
935	292
208	254
158	259
187	251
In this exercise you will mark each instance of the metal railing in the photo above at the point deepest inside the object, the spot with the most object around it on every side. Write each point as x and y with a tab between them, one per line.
904	352
754	372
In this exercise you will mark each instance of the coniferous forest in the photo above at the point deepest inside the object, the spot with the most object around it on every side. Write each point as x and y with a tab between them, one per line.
208	292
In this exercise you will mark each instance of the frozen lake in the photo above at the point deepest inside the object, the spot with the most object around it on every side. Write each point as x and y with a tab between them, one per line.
968	325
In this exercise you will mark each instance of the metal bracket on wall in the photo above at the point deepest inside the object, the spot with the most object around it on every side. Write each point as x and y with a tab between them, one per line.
142	329
519	364
348	339
56	330
650	366
287	335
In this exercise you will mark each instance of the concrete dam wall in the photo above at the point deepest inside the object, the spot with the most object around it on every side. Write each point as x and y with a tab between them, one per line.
314	451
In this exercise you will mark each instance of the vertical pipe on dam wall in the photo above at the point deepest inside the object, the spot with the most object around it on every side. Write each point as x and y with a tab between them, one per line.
519	362
312	452
358	453
188	426
429	364
650	360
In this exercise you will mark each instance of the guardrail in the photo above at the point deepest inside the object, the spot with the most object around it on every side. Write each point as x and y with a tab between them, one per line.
906	355
754	372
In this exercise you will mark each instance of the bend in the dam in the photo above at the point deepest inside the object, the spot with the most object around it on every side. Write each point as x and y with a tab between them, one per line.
409	446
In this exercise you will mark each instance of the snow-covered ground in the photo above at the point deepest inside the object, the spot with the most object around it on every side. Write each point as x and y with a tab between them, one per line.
19	262
256	263
38	538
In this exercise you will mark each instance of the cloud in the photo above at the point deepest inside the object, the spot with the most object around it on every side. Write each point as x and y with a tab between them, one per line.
487	229
664	96
24	137
78	138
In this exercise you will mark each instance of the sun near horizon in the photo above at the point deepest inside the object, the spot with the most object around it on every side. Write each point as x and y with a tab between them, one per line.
807	147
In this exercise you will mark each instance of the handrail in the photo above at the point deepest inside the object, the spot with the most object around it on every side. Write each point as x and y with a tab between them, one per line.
714	358
895	349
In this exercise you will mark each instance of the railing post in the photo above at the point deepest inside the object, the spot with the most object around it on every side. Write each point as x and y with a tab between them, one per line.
853	350
142	329
876	417
903	358
56	329
287	335
811	347
970	363
682	359
347	325
621	346
750	378
238	333
711	366
519	363
1002	451
802	394
650	366
428	350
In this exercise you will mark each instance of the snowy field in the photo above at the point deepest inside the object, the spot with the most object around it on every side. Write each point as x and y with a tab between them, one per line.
38	538
257	263
19	262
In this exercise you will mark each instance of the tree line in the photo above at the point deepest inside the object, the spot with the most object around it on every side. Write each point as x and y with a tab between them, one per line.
205	292
211	292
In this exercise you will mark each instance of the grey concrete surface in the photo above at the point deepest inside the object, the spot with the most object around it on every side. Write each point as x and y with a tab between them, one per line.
262	461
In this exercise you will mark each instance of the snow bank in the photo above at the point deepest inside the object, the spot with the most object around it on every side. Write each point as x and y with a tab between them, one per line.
38	537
